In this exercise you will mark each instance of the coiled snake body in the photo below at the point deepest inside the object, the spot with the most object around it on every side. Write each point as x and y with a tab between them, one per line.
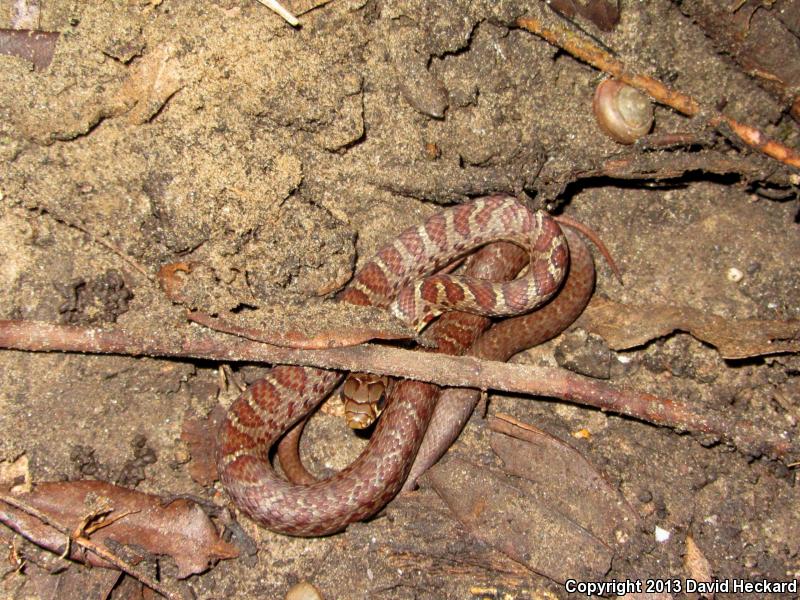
272	405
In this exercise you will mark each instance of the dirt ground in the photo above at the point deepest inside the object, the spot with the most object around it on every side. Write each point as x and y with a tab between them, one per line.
278	158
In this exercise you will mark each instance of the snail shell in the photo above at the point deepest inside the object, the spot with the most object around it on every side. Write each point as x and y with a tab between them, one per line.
623	113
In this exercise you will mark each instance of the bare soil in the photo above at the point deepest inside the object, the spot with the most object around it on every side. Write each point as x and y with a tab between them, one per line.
278	158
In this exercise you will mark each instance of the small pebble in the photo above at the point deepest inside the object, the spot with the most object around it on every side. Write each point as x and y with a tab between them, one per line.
734	275
423	92
662	535
582	434
753	268
182	456
432	151
303	591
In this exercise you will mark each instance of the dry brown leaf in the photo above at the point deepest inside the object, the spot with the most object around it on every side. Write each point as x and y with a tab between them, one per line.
696	564
603	13
531	533
624	326
79	583
179	529
559	476
37	47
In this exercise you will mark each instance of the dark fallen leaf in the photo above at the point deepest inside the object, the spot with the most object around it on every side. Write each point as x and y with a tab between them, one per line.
199	435
28	572
624	326
131	589
559	476
79	583
179	529
45	576
566	8
418	535
36	47
499	514
603	13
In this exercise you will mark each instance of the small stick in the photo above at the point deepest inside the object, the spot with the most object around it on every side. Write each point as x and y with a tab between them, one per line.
102	241
334	338
683	103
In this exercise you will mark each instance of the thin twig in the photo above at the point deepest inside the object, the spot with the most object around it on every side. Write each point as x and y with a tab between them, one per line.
334	338
439	369
102	241
89	545
597	57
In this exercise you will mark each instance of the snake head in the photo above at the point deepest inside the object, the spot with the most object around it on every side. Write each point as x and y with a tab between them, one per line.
364	396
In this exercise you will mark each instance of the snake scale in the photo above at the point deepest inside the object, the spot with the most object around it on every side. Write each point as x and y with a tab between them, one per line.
392	279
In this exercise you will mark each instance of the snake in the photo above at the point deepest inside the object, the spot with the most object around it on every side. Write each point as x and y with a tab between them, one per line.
363	394
396	278
504	339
